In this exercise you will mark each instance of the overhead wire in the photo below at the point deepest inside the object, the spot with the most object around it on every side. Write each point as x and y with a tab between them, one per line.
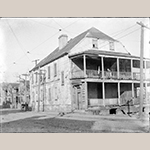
120	32
19	43
123	30
123	37
44	24
49	37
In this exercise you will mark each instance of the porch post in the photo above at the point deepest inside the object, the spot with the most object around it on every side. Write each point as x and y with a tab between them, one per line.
119	93
131	68
102	62
132	89
84	65
103	86
118	68
145	82
86	95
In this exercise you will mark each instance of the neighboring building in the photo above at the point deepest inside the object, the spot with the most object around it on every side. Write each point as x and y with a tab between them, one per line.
91	69
9	93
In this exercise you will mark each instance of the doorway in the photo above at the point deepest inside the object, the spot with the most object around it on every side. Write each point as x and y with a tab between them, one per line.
77	97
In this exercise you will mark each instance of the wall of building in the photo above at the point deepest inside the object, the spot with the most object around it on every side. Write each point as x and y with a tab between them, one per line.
56	96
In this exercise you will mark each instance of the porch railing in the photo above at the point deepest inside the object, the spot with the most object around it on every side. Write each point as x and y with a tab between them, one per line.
110	74
125	75
93	73
107	74
136	76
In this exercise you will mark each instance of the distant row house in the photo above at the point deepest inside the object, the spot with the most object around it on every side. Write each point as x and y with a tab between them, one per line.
9	93
14	93
89	70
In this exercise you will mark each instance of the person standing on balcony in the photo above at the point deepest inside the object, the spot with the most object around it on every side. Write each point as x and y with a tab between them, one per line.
99	71
108	73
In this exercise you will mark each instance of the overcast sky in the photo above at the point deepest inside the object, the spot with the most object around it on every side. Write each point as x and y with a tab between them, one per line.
23	40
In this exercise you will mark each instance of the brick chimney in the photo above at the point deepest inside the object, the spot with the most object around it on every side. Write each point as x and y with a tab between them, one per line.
63	39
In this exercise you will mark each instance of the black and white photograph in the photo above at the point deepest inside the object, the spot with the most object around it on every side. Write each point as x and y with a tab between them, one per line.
75	75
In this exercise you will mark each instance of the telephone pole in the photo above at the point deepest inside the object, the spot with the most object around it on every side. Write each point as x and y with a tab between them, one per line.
36	60
25	86
39	87
141	67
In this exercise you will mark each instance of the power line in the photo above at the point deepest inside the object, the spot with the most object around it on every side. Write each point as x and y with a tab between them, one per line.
44	41
21	46
122	37
44	24
129	33
72	23
62	28
121	31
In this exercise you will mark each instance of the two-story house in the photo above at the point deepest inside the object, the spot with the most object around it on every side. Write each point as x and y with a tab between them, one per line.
91	69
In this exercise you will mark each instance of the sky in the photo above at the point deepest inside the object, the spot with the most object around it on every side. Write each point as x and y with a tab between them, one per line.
22	40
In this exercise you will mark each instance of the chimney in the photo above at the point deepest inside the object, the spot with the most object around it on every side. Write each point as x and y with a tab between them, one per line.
63	39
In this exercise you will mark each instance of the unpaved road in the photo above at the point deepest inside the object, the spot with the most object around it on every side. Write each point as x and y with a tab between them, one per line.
13	121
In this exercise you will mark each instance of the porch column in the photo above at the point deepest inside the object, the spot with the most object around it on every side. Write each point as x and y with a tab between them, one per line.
118	68
131	68
132	89
133	95
102	62
119	93
84	65
103	86
86	95
146	96
145	81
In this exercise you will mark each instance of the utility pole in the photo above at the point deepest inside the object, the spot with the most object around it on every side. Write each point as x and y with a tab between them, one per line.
25	86
141	67
36	60
39	90
44	88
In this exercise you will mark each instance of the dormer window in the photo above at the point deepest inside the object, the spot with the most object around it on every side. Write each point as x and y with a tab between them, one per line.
94	43
111	46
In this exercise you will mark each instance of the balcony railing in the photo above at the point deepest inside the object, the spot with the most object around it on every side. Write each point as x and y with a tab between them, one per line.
136	76
107	74
125	75
93	73
110	74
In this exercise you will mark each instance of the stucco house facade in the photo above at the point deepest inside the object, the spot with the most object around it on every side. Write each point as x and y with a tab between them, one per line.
89	70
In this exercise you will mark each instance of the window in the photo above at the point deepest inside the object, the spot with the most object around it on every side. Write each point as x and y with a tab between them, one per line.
49	72
147	64
55	93
55	69
49	94
111	45
136	63
36	77
62	78
32	78
95	43
41	94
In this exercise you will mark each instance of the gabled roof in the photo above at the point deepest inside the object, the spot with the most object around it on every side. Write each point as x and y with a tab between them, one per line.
57	53
95	33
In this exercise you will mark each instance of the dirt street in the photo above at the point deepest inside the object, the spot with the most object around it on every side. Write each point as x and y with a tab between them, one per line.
14	121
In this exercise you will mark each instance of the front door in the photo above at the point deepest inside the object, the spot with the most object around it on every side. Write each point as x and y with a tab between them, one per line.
77	97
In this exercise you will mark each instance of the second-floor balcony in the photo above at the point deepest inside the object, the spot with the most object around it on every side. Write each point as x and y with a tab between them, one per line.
105	74
105	67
